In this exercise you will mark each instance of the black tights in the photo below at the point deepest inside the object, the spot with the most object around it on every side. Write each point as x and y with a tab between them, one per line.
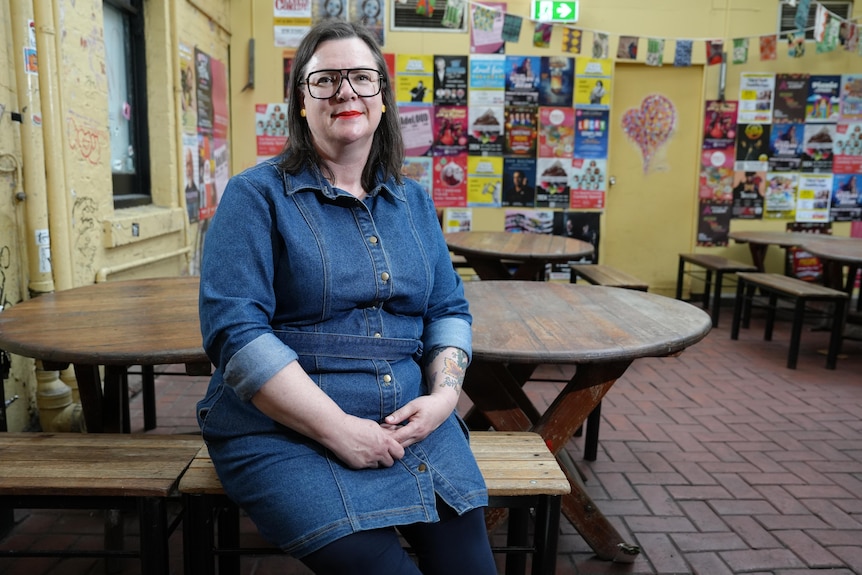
455	544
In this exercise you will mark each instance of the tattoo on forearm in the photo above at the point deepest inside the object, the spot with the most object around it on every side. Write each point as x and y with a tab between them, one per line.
454	368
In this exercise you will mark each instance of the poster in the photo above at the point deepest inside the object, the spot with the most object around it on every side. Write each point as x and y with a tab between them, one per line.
420	170
450	131
486	133
713	224
556	81
748	192
414	82
824	99
450	80
450	181
552	182
556	132
785	147
486	28
521	131
755	98
417	129
487	80
846	202
592	128
780	200
522	79
519	182
818	141
593	83
484	181
589	184
848	148
851	97
791	94
814	196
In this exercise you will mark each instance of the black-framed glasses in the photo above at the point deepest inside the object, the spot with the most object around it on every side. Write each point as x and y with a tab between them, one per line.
324	84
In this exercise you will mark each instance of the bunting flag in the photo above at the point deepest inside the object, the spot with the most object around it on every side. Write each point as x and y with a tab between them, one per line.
714	52
740	50
453	16
512	28
542	35
572	40
601	46
827	29
796	44
850	36
682	53
801	17
769	47
627	49
483	18
655	52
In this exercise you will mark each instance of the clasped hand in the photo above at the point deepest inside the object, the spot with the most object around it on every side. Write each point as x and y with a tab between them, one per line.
367	444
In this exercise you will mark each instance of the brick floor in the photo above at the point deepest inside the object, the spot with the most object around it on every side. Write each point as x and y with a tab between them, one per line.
718	461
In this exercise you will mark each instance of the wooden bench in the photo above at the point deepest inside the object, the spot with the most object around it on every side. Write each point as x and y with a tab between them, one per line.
603	275
711	264
777	286
520	472
133	472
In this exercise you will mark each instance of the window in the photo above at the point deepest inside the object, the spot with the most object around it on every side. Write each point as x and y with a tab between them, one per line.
787	15
127	104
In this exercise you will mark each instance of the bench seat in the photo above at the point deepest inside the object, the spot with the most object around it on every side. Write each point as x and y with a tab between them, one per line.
603	275
801	293
711	264
136	472
519	470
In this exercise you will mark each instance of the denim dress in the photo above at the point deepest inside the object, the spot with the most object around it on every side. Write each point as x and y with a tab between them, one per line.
355	290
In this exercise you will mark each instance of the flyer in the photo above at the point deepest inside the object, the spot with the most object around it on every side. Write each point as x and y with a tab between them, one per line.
818	142
823	99
417	129
791	94
421	170
813	199
851	97
484	181
589	183
450	131
713	224
556	81
486	132
719	130
450	80
414	81
780	200
522	79
785	147
748	192
519	182
591	133
450	181
848	148
846	198
487	81
552	182
593	83
556	132
755	98
521	131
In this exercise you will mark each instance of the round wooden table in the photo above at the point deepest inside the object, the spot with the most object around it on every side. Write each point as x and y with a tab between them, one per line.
759	242
491	254
113	324
519	325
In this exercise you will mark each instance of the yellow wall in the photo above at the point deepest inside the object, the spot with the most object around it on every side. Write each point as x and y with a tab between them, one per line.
670	19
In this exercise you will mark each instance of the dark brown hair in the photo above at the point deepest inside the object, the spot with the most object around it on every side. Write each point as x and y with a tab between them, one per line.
387	148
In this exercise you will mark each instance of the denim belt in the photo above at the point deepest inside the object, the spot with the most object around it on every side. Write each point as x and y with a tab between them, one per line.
350	346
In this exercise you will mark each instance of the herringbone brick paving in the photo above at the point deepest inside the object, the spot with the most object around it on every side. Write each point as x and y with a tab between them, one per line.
719	461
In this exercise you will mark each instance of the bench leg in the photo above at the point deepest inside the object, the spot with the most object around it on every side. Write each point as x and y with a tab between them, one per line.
546	530
198	539
155	554
707	288
746	308
228	536
770	317
148	392
738	304
517	536
680	272
796	332
835	338
716	297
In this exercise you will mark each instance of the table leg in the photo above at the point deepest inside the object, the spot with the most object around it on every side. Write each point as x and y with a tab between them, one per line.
530	271
498	394
758	255
488	268
90	390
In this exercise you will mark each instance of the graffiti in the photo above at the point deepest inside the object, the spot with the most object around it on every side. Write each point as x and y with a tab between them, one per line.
86	141
650	127
5	262
84	218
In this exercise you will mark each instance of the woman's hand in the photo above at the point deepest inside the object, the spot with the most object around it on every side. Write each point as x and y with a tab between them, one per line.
418	418
364	444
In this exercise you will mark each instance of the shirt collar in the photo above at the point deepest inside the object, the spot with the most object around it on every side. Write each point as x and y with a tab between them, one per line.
312	179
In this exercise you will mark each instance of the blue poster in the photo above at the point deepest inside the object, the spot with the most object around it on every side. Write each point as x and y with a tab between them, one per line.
591	133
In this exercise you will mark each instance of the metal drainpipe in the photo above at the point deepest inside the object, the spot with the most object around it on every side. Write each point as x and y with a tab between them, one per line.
54	399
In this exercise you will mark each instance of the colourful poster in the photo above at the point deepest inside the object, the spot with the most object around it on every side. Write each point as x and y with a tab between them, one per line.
813	199
270	129
851	97
593	83
552	182
591	133
519	182
450	80
556	132
716	184
487	80
589	183
529	221
824	98
522	79
748	192
752	147
556	81
486	28
521	131
421	170
484	181
785	147
846	198
450	131
417	129
780	200
848	148
486	131
755	98
450	181
414	81
719	130
791	94
713	224
818	147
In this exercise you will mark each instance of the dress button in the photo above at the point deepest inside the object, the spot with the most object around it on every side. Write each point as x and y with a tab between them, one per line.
385	276
422	467
387	378
373	239
378	334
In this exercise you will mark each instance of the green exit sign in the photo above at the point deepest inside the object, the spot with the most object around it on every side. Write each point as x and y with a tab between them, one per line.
555	10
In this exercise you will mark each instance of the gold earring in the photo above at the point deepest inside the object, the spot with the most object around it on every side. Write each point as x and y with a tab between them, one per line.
383	108
302	112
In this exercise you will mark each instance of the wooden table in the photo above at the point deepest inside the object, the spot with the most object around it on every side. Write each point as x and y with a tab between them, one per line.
759	242
836	254
518	325
116	325
491	254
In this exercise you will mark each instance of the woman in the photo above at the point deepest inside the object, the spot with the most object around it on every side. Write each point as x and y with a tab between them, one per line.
340	336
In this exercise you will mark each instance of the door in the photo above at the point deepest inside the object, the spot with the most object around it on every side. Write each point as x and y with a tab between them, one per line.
651	210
